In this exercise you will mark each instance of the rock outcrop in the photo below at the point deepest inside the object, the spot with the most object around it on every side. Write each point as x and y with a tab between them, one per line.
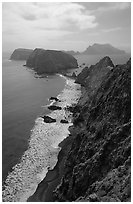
53	107
21	54
64	121
50	61
53	98
103	49
73	75
98	165
92	76
48	119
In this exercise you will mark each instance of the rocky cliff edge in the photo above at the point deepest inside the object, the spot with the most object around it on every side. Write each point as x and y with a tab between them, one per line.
98	165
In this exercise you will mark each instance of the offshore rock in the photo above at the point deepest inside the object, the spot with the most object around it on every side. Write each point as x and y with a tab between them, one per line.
98	165
48	119
54	107
50	61
21	54
63	121
73	75
53	98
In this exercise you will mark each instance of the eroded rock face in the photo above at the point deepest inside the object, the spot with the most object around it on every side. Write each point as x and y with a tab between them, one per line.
98	165
21	54
91	77
50	61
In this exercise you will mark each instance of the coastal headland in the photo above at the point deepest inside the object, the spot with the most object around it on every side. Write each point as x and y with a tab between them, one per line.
94	161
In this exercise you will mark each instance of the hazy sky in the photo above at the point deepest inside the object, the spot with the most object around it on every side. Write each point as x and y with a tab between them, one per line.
68	26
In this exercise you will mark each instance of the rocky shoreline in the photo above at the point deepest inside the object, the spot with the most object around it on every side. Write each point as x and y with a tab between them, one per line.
44	191
75	176
98	166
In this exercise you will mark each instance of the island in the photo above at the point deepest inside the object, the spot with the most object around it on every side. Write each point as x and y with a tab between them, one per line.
103	49
50	61
21	54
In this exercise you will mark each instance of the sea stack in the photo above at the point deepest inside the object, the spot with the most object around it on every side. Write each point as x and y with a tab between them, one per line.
50	61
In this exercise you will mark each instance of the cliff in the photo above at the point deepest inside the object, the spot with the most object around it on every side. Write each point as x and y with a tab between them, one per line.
21	54
50	61
97	167
92	76
103	49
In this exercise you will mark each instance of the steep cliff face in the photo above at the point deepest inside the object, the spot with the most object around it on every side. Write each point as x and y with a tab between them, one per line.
98	165
94	73
50	61
21	54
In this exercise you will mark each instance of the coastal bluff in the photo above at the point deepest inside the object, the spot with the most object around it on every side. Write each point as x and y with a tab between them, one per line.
21	54
50	61
98	164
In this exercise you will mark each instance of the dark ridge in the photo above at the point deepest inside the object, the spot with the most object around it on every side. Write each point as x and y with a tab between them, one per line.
98	164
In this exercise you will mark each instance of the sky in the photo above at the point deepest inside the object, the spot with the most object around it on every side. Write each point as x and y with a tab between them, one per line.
65	26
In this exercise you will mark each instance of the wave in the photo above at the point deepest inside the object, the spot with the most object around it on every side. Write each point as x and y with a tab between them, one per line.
42	151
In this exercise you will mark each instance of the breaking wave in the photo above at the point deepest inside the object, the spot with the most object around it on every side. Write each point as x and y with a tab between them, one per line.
42	151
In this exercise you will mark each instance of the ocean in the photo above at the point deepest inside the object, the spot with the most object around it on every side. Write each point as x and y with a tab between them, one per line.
30	146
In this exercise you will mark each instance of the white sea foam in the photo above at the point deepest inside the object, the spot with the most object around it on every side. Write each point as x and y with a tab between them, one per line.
43	150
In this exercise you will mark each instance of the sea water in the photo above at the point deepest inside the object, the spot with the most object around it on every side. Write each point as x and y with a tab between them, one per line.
42	141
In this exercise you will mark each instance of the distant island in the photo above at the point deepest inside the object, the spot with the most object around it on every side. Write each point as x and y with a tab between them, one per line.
53	61
103	49
50	61
98	49
95	49
21	54
71	52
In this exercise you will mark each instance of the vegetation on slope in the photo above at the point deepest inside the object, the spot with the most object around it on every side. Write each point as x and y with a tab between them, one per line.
98	165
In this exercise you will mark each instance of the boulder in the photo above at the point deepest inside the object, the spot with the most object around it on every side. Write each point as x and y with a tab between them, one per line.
54	107
53	98
64	121
73	75
48	119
